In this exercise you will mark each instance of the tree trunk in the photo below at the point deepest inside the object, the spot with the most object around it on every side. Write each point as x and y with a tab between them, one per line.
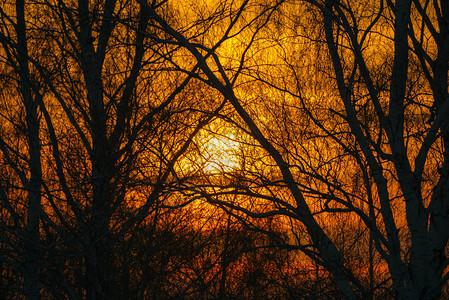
31	268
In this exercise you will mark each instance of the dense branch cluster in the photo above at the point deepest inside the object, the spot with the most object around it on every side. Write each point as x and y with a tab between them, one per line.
250	149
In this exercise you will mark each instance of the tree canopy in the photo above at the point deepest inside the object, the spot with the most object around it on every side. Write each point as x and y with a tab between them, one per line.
251	149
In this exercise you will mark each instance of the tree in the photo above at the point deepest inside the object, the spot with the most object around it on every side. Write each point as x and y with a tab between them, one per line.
320	125
22	230
390	107
90	134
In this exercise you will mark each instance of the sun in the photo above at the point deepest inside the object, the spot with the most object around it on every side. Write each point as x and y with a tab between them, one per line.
220	153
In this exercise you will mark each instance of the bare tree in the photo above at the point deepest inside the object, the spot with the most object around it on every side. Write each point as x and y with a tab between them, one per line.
96	94
379	60
337	112
21	199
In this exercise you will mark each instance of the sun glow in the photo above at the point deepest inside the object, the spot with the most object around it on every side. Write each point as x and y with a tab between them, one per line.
220	153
